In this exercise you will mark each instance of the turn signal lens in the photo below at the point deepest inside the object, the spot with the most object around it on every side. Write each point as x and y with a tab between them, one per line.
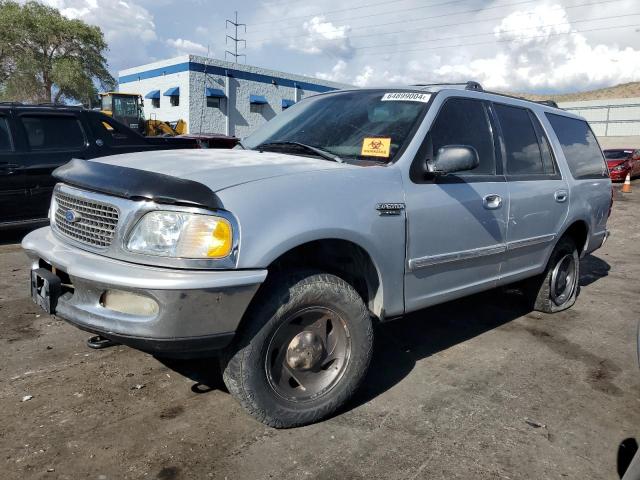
203	236
221	245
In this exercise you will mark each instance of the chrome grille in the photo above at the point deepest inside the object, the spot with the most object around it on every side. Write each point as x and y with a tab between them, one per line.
95	222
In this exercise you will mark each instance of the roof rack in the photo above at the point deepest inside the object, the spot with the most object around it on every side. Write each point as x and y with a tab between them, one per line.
470	85
548	103
476	87
42	104
56	105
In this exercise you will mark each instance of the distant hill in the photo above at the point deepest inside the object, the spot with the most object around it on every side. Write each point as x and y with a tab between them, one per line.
624	90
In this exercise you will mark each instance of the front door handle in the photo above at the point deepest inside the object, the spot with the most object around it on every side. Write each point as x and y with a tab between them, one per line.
561	196
8	168
492	201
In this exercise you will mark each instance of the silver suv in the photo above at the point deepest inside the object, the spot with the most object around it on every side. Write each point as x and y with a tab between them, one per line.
347	209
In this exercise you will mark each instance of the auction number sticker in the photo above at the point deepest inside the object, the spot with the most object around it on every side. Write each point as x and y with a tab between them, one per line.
376	147
406	97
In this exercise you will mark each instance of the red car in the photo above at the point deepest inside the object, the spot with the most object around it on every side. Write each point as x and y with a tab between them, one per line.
622	161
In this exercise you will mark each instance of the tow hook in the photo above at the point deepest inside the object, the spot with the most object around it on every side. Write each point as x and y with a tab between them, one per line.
97	342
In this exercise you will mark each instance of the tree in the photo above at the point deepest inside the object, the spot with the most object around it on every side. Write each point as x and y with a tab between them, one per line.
46	57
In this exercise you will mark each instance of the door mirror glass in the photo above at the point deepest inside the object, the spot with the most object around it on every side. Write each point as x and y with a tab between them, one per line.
453	158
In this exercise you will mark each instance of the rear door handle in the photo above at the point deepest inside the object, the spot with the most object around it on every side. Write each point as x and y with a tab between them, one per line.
561	196
492	201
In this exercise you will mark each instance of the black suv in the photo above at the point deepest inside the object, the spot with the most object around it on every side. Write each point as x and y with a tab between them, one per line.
36	139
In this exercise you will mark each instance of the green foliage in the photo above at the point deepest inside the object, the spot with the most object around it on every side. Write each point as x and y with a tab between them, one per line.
46	57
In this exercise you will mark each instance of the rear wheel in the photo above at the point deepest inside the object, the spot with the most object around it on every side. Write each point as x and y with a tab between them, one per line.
303	351
557	288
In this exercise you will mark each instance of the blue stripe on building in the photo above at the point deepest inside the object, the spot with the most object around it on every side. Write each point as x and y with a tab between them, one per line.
216	70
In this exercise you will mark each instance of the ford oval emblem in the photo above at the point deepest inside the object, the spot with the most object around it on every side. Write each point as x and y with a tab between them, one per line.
71	216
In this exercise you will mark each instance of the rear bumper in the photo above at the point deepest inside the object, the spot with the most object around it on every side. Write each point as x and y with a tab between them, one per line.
197	311
596	240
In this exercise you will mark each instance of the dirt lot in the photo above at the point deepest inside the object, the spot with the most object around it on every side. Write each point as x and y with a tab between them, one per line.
479	388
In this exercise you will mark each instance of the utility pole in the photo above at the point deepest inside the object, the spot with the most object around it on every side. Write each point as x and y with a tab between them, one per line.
235	40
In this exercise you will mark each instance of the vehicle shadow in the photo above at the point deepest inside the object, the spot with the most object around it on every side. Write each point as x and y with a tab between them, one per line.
205	372
592	269
400	344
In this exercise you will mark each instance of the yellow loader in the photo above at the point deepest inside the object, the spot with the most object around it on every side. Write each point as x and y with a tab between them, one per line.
127	108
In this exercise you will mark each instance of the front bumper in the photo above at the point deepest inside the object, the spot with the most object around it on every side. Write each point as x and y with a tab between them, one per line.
618	175
198	311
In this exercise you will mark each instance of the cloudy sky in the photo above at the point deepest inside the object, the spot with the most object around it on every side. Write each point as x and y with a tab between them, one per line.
517	45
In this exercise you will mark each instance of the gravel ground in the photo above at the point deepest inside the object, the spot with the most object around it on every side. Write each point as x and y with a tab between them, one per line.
479	388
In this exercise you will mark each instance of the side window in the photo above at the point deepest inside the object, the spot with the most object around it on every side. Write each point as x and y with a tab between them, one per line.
5	136
53	132
524	156
579	146
464	121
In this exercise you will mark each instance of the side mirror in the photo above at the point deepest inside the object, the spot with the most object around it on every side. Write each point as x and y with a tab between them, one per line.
453	158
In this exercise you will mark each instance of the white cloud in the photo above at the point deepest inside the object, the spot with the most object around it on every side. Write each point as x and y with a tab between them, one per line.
543	52
338	73
183	46
531	48
534	50
322	36
129	28
365	78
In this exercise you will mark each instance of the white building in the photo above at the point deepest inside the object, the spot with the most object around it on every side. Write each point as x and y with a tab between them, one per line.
214	96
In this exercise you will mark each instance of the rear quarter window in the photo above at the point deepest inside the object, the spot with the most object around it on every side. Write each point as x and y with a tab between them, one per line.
579	146
5	136
53	132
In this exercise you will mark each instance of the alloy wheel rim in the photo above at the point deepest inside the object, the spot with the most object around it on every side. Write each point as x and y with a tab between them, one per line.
308	354
563	279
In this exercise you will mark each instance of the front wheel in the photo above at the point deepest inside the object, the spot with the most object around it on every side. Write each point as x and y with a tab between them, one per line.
302	352
557	288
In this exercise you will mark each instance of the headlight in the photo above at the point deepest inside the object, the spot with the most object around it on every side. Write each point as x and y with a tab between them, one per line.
619	168
182	235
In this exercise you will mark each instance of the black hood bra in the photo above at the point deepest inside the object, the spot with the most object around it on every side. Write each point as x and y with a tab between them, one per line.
135	184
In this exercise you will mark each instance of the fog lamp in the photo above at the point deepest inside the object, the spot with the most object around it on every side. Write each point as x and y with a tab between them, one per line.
129	303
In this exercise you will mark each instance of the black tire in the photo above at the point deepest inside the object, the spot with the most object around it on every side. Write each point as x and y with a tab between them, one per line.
250	367
547	292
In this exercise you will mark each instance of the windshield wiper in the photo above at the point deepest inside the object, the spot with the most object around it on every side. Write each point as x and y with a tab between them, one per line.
318	151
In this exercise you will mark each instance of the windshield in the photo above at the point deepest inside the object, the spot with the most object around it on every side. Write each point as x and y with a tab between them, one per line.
617	154
125	106
354	125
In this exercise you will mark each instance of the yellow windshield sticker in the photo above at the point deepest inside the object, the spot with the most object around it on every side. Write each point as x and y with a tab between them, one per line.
376	147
